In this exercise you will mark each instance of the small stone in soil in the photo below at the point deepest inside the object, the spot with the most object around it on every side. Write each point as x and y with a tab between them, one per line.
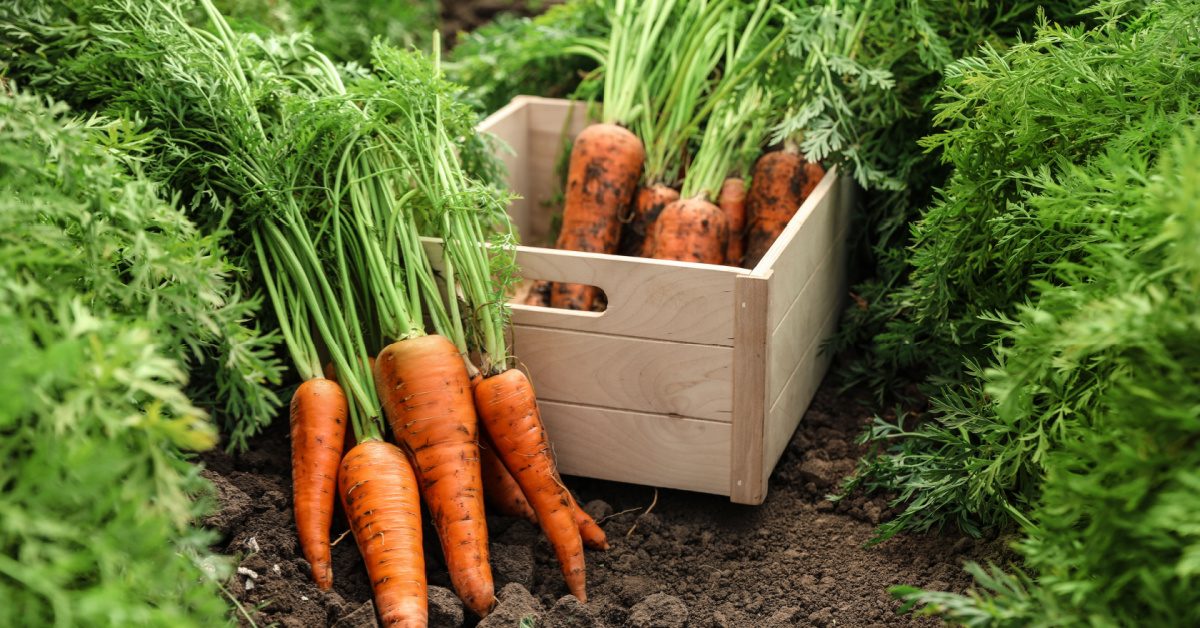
445	609
598	509
822	617
569	612
659	611
514	604
362	617
512	563
783	617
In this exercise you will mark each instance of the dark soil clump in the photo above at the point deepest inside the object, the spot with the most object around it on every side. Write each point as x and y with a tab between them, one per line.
693	560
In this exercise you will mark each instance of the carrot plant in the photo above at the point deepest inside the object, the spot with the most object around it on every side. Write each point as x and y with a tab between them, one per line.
107	290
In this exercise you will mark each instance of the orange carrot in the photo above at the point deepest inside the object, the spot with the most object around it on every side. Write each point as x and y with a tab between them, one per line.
499	488
379	494
593	536
606	161
690	230
732	201
318	422
539	294
427	399
650	203
509	412
781	182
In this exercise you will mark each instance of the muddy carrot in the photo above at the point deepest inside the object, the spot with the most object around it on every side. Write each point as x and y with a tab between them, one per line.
509	413
732	201
649	205
426	394
781	182
380	496
690	230
606	162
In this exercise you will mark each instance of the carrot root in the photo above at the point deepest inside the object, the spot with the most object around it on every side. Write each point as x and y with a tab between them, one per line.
318	426
380	496
606	161
427	399
508	410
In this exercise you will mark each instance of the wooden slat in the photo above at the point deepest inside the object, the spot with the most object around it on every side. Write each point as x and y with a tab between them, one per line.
801	323
649	449
647	298
627	373
750	359
797	393
510	125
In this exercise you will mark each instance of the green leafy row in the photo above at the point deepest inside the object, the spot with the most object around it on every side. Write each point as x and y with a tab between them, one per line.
107	291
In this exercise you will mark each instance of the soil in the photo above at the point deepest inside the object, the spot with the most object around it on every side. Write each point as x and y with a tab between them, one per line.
677	558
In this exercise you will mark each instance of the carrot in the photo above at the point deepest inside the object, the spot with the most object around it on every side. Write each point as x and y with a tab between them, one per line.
649	205
379	494
606	162
427	399
781	182
508	409
318	422
539	294
732	201
499	488
591	533
690	230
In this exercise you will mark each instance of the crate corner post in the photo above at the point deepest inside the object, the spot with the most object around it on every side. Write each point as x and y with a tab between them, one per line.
747	470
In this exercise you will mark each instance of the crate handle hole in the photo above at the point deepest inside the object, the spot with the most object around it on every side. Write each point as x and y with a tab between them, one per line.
536	293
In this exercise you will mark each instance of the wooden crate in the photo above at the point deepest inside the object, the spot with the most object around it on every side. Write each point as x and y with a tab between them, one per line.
696	375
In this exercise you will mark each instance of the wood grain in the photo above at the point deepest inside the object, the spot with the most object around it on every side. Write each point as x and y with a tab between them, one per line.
657	299
641	448
628	373
751	354
790	339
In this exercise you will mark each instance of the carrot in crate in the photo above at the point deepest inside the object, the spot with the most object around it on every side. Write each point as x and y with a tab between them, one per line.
693	229
781	181
606	159
732	201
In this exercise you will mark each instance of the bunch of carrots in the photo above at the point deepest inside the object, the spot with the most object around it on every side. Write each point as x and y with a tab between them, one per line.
344	185
430	354
664	173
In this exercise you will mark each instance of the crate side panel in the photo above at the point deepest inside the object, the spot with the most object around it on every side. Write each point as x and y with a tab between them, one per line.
510	125
646	298
551	122
647	449
802	322
791	405
627	373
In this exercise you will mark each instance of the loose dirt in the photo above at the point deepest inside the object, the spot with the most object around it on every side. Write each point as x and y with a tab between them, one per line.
691	560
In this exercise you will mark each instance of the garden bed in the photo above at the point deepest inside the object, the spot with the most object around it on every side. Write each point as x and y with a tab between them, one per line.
795	560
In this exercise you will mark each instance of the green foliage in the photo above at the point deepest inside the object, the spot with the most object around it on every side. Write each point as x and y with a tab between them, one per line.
541	56
342	29
106	290
1104	369
1051	142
